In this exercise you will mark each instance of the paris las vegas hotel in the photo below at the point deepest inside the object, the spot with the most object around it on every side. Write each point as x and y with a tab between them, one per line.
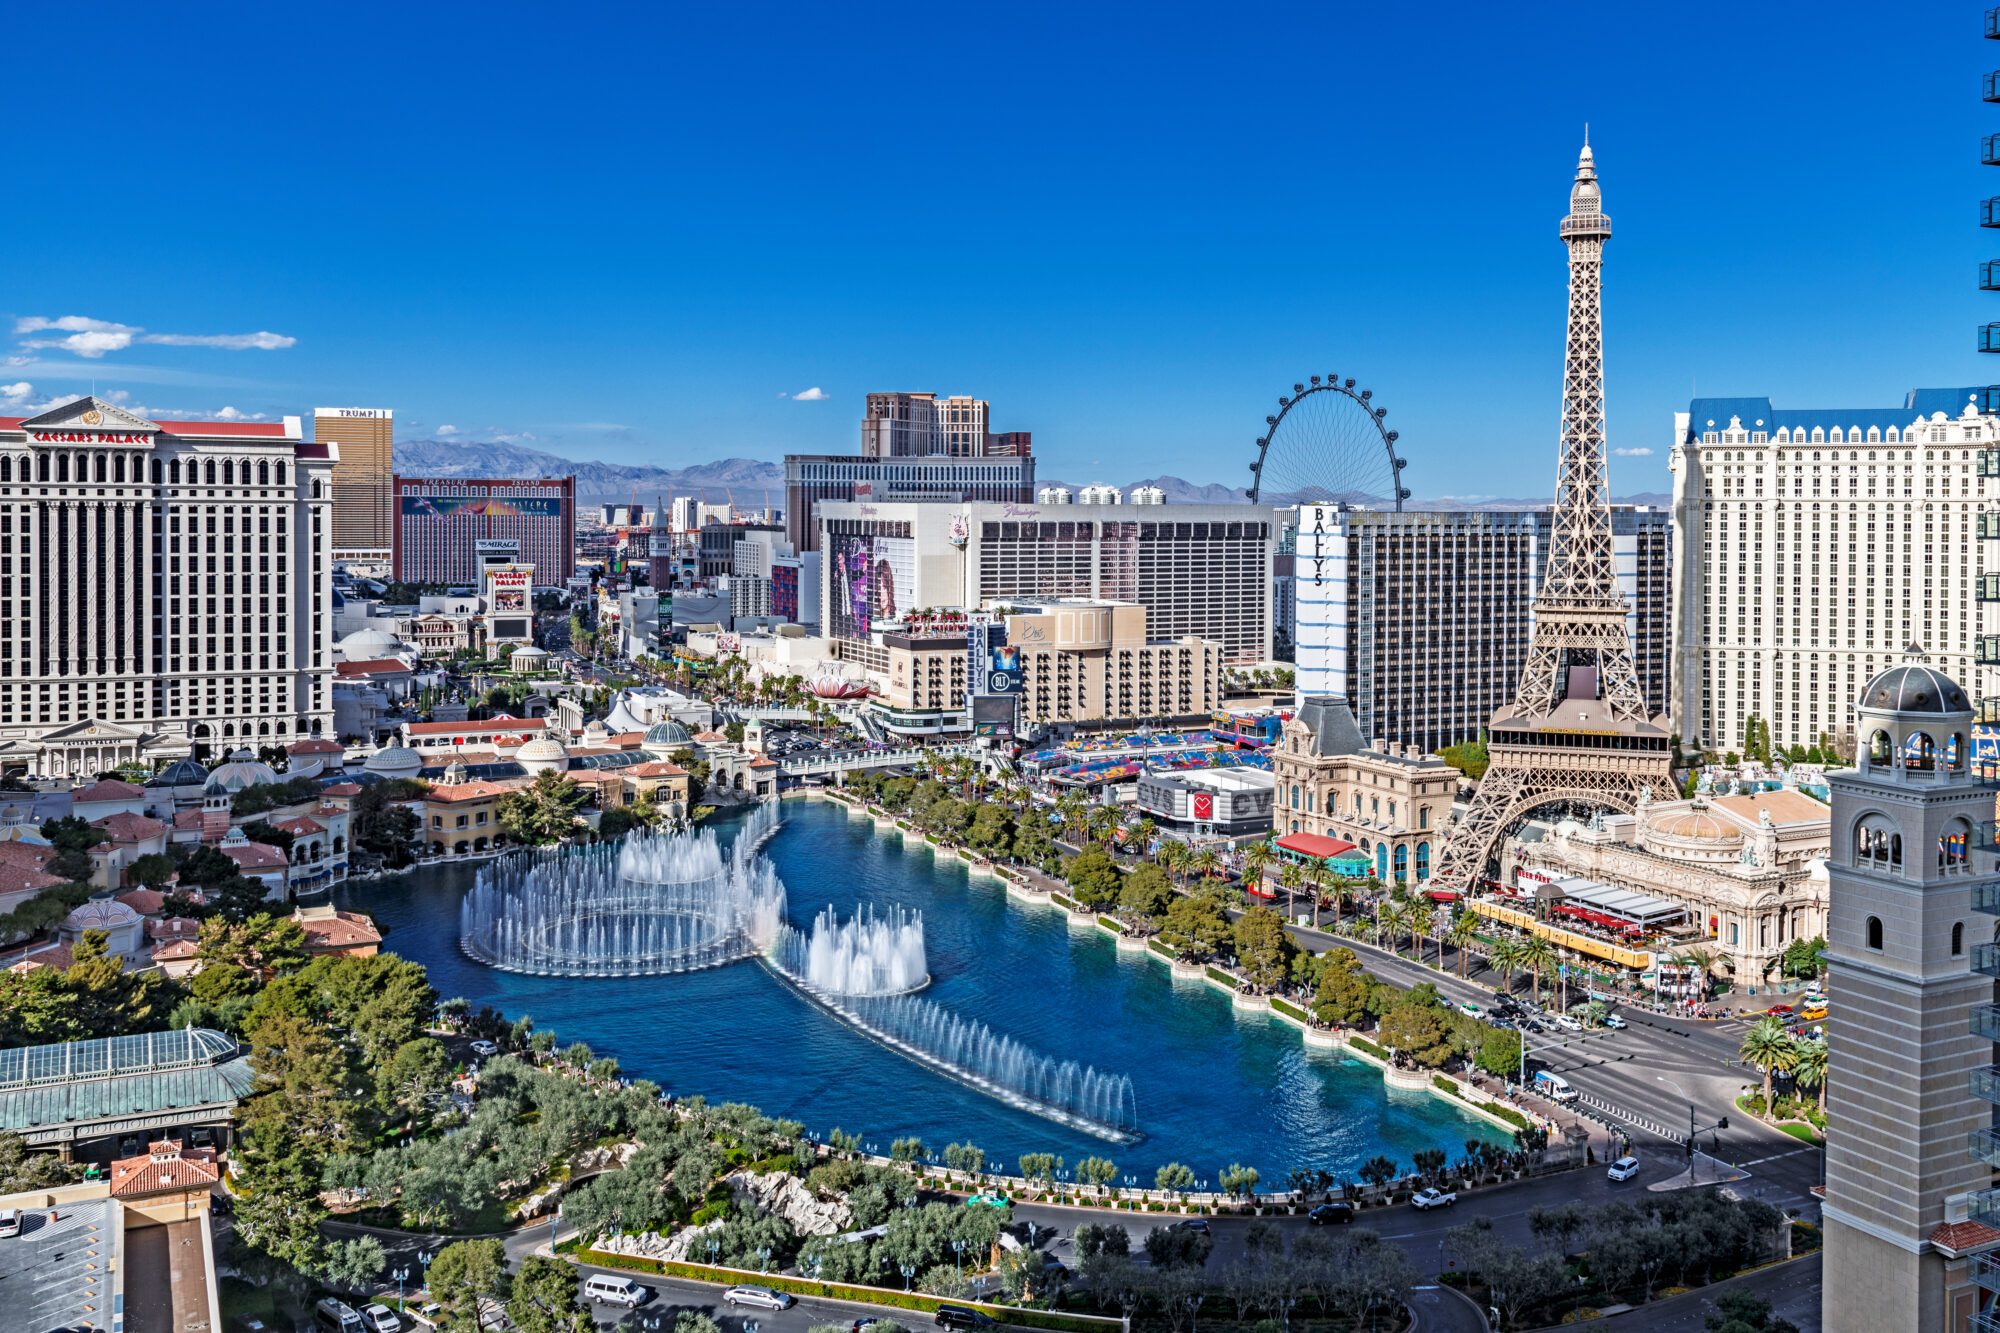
1815	545
164	585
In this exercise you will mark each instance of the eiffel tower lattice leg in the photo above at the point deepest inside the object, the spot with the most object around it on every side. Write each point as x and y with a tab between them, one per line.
1464	854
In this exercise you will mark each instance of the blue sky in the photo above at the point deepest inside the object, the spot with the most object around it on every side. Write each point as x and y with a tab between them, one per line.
623	232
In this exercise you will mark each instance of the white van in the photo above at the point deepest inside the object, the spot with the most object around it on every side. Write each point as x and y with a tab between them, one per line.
1554	1086
332	1315
602	1288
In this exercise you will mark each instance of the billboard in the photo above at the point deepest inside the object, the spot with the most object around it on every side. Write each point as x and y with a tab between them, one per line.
993	715
1204	805
509	588
1003	670
485	506
873	581
785	591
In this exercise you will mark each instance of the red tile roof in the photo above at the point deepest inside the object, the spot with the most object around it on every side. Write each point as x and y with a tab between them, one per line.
315	746
165	1166
299	826
128	827
388	666
146	902
336	930
55	956
1957	1238
111	789
173	928
252	856
270	428
341	789
176	949
450	793
659	768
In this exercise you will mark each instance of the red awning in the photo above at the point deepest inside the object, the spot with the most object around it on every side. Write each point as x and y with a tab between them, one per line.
1312	844
1442	895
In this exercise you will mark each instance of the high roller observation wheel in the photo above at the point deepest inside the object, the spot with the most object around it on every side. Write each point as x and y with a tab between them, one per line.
1327	443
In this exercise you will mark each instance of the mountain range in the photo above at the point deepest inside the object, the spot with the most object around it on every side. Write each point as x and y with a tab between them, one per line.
755	484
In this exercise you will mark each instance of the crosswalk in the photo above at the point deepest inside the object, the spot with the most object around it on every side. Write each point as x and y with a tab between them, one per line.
1631	1118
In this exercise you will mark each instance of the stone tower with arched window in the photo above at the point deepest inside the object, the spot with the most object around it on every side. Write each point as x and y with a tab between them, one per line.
1900	1108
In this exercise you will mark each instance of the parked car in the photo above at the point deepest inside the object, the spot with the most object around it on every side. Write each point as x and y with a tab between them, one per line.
430	1314
1330	1214
960	1316
1433	1197
1624	1168
379	1318
991	1199
886	1325
10	1222
483	1047
1193	1224
761	1297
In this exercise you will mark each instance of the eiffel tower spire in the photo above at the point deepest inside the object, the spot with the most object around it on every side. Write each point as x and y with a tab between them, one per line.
1578	730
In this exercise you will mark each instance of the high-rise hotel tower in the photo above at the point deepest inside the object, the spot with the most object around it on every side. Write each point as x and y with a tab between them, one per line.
364	502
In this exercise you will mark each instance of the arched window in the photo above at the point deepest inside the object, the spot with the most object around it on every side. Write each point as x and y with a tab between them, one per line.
1957	938
156	471
1952	845
278	473
1295	796
208	471
62	467
315	488
42	468
1922	753
7	468
228	472
1875	932
174	472
1402	863
1295	826
263	472
1423	816
1423	860
1381	860
100	468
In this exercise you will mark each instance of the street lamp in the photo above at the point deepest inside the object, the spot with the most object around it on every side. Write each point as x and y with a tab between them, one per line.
958	1248
763	1258
401	1275
908	1271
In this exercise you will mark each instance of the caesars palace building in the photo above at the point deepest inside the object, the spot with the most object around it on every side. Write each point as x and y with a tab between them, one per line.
165	588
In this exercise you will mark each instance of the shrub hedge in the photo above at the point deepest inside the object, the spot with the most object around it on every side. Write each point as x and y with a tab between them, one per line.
1217	974
1290	1010
1368	1046
1160	949
838	1291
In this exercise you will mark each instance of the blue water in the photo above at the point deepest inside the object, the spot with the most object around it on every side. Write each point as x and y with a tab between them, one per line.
1214	1085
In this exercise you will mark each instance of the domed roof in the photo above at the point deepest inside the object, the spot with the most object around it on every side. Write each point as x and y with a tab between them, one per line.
527	650
241	771
669	733
370	645
181	773
1696	823
542	747
396	761
1914	688
100	914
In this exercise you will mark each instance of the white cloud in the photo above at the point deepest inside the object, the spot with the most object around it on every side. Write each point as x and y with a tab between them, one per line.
231	414
234	342
94	337
447	430
520	438
812	395
1633	453
16	393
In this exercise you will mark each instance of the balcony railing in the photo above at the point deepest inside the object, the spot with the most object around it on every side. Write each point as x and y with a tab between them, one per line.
1984	1145
1986	897
1986	836
1991	91
1987	589
1987	461
1984	1208
1989	334
1986	647
1986	1022
1989	525
1986	960
1989	400
1993	23
1985	1270
1985	1084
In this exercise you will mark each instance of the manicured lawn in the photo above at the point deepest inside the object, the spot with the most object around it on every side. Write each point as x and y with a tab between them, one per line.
1799	1131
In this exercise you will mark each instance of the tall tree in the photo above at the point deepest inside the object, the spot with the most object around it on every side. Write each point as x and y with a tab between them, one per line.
1769	1048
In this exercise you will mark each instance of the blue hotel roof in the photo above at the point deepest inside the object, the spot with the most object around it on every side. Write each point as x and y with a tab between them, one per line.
1758	414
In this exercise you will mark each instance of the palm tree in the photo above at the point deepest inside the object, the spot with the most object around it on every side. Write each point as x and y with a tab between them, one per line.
1175	857
1206	862
1104	819
1809	1069
1464	930
1537	956
1770	1048
1394	922
1288	880
1257	858
1317	877
1143	833
1070	810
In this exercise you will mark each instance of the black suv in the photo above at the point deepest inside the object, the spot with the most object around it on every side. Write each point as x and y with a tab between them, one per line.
958	1316
1328	1213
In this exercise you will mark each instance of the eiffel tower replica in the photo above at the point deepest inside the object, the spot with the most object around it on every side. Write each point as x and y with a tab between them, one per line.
1578	730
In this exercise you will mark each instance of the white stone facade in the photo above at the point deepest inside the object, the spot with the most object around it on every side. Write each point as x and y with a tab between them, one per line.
163	586
1811	548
